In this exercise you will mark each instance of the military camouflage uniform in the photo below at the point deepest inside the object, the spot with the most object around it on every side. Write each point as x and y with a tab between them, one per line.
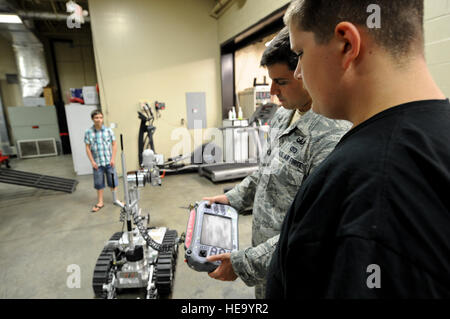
289	157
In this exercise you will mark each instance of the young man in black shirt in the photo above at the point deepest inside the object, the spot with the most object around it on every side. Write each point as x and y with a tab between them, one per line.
373	220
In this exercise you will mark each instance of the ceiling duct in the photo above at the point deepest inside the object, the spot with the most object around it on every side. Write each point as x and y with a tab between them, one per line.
219	8
28	49
30	59
31	64
47	16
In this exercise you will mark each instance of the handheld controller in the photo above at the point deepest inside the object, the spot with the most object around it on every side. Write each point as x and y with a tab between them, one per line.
211	230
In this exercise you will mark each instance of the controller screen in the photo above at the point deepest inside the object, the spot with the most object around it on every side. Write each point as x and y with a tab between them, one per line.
216	231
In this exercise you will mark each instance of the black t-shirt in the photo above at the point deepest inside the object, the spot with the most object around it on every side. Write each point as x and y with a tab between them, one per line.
373	220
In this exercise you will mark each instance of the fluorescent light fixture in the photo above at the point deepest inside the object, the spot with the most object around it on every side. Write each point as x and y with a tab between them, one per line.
9	18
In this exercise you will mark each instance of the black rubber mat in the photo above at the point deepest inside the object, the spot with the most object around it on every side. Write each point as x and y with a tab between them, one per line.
21	178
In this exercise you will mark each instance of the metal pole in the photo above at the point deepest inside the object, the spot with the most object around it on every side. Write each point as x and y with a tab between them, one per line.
127	196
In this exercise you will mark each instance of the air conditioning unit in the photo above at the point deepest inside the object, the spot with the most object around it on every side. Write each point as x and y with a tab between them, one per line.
37	148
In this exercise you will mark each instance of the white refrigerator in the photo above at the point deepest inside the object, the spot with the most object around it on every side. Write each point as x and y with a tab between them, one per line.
78	121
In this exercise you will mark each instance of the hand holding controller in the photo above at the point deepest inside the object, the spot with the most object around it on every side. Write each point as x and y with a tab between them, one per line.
212	230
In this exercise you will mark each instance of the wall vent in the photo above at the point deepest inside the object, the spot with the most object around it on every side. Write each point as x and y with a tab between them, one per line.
37	148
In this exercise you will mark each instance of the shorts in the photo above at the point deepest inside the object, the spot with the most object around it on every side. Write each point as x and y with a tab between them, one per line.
99	177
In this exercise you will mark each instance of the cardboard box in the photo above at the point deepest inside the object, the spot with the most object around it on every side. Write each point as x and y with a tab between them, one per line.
90	95
48	96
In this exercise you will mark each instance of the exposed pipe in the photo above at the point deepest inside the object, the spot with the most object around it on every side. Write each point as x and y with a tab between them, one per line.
28	48
46	16
217	11
30	61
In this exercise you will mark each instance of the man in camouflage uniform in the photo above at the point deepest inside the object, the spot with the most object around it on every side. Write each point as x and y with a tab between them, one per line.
298	141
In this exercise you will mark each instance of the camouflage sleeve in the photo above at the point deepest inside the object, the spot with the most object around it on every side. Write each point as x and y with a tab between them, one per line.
323	143
251	264
243	194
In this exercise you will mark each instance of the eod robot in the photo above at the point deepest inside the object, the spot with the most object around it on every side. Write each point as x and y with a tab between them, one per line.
141	257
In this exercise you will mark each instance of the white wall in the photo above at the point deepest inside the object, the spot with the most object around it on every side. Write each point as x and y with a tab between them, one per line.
159	50
244	13
437	41
155	50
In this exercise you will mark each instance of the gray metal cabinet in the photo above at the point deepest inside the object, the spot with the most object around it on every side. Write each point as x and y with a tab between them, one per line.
33	122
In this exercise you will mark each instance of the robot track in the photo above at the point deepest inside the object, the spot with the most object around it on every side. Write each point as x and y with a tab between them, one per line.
165	266
103	268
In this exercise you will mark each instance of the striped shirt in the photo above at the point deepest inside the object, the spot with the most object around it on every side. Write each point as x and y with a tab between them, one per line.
101	144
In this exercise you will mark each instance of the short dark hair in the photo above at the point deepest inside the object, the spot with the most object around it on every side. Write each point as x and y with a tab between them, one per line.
279	51
401	21
95	112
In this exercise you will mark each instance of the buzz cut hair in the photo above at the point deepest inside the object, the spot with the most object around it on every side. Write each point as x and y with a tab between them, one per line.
401	31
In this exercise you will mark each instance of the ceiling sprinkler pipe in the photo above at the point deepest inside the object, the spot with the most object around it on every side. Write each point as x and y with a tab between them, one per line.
218	9
46	16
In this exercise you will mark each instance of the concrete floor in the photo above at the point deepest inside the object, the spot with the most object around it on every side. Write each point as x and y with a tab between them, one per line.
43	232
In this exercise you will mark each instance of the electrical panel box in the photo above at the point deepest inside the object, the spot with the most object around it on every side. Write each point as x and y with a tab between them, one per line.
196	110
